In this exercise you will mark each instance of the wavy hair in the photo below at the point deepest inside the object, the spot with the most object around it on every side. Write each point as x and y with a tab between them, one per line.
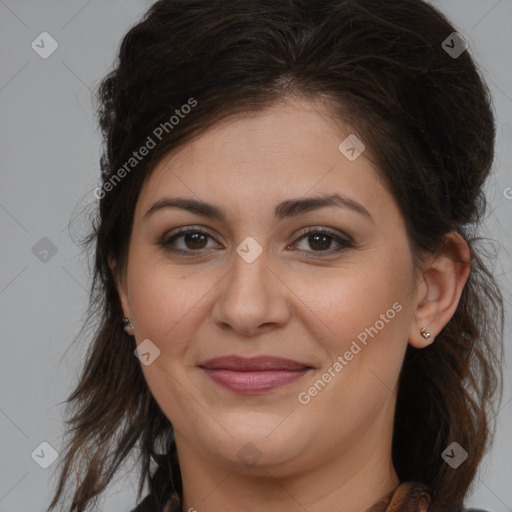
427	121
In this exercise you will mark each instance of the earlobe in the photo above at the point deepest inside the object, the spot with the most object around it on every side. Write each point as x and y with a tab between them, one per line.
443	279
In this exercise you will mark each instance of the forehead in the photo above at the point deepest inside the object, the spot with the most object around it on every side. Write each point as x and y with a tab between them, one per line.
288	150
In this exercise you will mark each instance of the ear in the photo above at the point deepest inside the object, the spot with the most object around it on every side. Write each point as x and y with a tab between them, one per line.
443	278
120	280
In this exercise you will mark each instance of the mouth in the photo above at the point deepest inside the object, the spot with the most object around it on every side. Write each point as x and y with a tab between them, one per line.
254	375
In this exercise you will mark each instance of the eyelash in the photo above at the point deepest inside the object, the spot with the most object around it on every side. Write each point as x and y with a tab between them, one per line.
345	243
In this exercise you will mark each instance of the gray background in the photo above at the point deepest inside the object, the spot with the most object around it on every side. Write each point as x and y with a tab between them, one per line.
50	147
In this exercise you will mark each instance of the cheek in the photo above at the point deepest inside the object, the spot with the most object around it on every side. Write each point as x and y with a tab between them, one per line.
366	339
353	303
166	300
364	321
167	303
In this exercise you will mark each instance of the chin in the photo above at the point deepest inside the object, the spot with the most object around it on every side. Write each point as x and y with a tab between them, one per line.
252	448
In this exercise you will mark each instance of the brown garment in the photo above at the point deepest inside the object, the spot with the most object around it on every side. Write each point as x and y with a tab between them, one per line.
407	497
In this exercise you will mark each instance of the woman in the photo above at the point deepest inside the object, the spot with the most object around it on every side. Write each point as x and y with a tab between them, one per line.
292	309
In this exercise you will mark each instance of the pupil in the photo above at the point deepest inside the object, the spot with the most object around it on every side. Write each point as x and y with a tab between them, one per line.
315	238
194	239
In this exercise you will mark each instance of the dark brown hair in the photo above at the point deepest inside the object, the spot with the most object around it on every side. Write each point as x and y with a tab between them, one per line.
427	121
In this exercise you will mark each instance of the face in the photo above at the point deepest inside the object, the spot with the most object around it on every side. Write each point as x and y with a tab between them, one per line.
261	272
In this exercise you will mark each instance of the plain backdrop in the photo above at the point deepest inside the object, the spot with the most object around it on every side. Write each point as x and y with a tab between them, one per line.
50	147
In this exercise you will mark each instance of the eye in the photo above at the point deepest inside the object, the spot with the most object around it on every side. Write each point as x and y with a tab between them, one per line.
194	240
320	240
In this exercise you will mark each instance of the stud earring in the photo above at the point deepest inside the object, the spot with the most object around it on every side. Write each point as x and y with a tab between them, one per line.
128	325
425	333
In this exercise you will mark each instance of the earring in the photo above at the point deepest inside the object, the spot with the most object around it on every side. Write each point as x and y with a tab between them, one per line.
425	333
128	325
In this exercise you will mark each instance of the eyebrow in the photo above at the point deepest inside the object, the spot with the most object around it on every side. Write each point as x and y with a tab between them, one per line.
288	208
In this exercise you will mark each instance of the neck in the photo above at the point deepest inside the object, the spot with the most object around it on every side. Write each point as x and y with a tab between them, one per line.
351	480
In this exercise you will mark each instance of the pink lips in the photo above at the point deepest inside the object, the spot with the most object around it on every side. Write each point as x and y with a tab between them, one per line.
254	375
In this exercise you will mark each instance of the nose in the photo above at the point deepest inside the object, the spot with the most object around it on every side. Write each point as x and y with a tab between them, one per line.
252	298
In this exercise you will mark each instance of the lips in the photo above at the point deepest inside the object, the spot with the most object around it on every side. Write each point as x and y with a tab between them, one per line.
255	375
253	364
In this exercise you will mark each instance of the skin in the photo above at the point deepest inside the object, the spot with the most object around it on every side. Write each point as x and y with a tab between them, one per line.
333	453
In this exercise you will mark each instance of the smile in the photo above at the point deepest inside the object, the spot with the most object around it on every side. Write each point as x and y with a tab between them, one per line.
251	376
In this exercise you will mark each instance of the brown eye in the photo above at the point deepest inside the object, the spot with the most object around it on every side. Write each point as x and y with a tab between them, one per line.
192	240
321	241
